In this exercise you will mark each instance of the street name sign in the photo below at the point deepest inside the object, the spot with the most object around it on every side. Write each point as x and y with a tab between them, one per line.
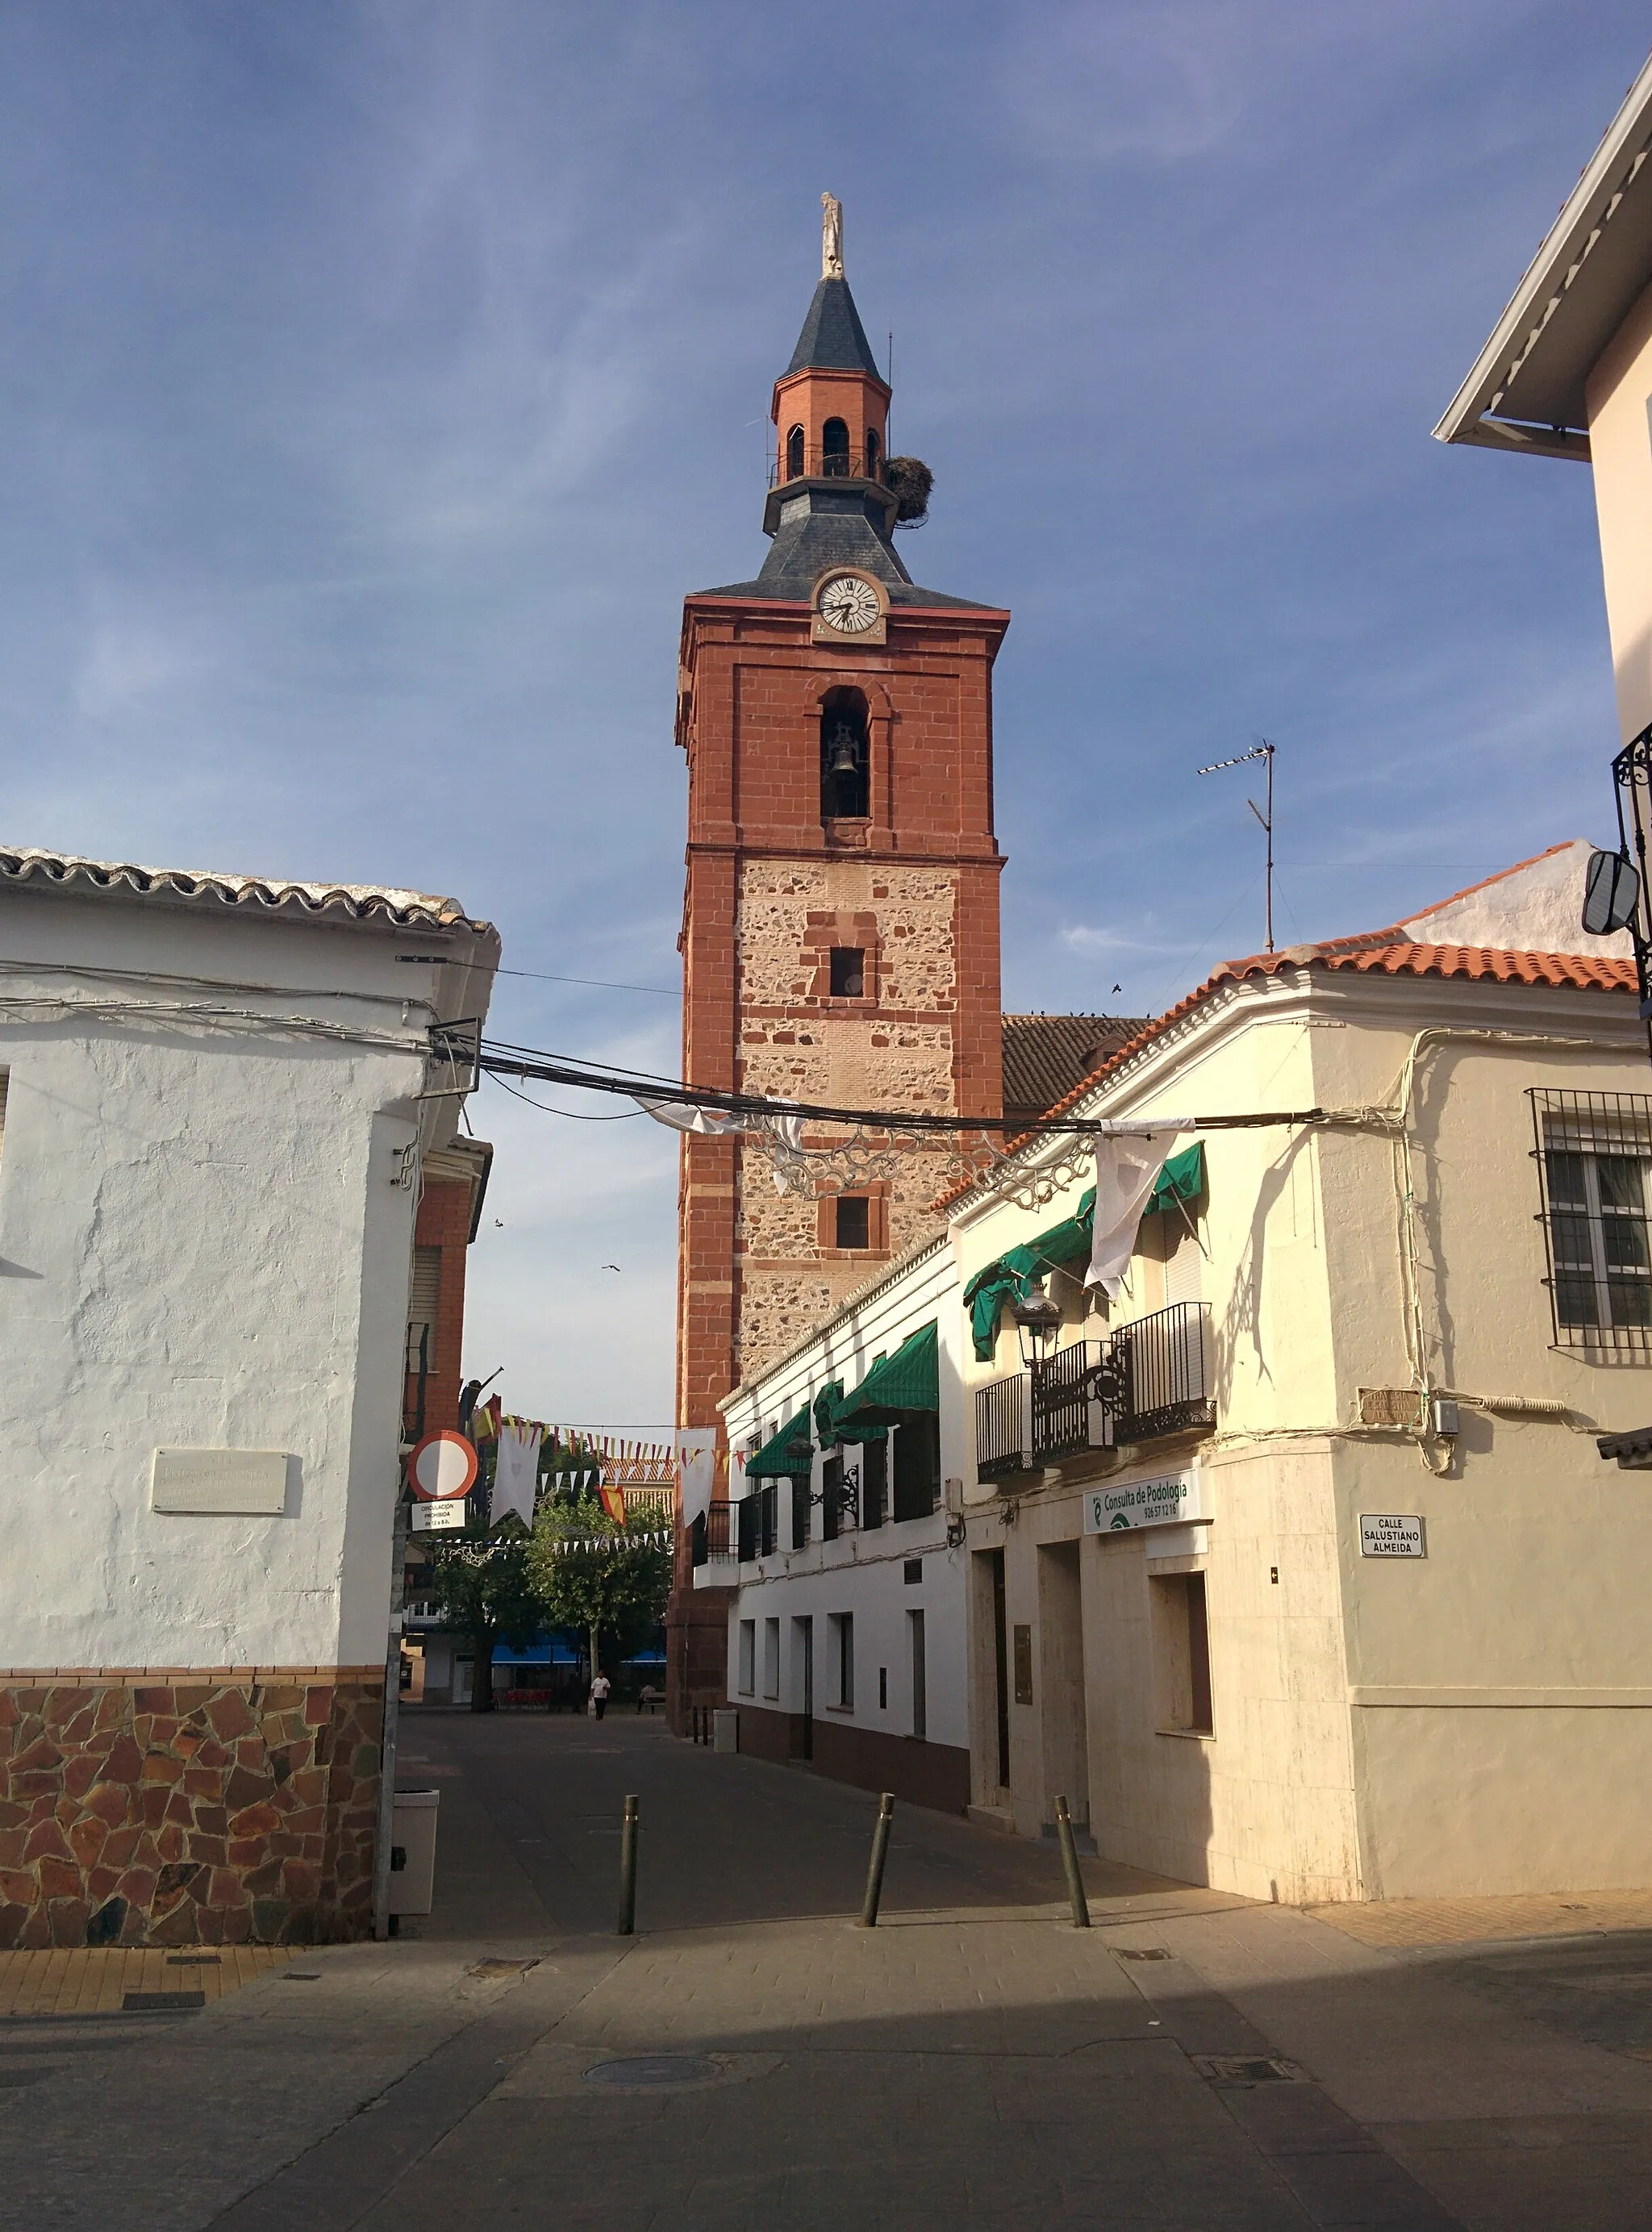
1167	1501
238	1482
1391	1534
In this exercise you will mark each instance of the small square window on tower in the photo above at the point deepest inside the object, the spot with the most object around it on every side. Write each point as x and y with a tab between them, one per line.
854	1221
848	972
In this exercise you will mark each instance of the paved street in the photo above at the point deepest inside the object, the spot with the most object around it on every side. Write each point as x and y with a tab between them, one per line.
1190	2062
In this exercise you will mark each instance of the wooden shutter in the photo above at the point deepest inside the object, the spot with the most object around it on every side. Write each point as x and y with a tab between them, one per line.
421	1308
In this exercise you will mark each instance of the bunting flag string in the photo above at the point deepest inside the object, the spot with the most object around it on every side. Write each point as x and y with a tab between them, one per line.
605	1545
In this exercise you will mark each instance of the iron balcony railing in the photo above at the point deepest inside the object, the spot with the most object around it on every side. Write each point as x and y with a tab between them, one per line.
1147	1379
1162	1364
1003	1440
1069	1411
832	464
711	1538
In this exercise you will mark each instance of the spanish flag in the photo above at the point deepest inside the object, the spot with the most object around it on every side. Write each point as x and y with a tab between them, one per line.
613	1501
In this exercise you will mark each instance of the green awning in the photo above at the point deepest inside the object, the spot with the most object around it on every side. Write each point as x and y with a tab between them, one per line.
1007	1278
1009	1275
907	1380
774	1460
1183	1178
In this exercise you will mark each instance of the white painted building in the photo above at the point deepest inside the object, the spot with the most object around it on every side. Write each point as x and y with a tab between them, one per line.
847	1637
216	1095
1294	1567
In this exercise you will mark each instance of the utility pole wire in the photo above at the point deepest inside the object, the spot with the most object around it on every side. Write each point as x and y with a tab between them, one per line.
500	1062
1261	749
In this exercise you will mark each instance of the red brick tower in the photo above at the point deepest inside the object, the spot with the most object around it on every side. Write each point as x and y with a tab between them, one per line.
840	923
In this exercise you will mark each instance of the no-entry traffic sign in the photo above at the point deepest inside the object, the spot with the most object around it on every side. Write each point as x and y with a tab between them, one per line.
443	1464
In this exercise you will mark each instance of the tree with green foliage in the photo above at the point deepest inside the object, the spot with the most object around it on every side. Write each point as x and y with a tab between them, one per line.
592	1572
486	1590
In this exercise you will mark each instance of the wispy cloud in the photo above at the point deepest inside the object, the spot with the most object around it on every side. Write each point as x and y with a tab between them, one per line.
368	401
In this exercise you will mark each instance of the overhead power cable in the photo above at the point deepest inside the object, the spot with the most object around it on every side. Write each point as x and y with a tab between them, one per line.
500	1060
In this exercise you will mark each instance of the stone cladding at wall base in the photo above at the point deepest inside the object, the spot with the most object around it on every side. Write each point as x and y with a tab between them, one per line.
188	1811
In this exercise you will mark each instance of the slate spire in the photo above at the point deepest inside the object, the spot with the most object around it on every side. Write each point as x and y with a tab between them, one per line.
833	338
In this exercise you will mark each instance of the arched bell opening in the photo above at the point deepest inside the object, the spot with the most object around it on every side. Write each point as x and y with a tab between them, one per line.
846	757
794	454
834	449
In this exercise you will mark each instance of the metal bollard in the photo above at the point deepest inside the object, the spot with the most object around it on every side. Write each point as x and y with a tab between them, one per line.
1069	1862
627	1924
879	1854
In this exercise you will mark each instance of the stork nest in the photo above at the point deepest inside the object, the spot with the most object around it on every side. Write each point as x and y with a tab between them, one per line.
912	481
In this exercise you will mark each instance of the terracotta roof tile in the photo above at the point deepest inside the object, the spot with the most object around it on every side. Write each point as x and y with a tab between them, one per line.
28	864
1045	1056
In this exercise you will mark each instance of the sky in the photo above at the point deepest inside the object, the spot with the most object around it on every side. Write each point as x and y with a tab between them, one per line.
377	376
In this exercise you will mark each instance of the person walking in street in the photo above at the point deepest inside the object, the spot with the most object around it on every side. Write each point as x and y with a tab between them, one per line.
599	1688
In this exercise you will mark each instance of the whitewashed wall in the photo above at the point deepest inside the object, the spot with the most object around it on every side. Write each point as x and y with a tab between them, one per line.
863	1572
202	1245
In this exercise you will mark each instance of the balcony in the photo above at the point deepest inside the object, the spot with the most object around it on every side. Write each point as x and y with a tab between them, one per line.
1163	1363
711	1539
828	464
1004	1442
1147	1380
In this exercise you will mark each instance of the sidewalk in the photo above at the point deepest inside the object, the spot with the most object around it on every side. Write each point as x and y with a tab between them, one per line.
1192	2061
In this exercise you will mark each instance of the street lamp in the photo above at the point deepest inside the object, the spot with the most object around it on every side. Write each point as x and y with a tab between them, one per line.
1037	1320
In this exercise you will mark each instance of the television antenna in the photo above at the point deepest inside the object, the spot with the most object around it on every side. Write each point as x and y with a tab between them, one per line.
1261	749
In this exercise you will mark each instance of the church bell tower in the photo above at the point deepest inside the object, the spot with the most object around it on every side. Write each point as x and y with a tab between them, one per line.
841	922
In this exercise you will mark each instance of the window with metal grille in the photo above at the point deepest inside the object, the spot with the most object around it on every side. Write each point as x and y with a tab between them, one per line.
1594	1151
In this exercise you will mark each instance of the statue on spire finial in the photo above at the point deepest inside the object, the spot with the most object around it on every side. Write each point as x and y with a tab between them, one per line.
831	237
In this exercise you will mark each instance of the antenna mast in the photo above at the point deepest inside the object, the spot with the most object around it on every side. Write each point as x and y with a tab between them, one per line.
1261	749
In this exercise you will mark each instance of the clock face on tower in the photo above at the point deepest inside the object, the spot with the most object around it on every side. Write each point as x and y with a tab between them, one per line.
848	608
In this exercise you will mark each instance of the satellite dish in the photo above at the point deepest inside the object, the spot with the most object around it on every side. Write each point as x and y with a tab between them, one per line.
1611	893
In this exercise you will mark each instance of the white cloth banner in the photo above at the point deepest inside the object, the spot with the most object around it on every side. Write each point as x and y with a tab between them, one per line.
1127	1169
783	1133
516	1472
697	1459
682	1118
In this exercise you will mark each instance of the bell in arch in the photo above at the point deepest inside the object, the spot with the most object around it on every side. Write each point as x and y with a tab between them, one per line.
843	752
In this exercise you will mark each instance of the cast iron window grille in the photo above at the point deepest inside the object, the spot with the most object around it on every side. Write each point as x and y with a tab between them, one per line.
1594	1157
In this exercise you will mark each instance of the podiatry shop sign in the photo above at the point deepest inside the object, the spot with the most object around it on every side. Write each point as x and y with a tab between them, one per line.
1171	1497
